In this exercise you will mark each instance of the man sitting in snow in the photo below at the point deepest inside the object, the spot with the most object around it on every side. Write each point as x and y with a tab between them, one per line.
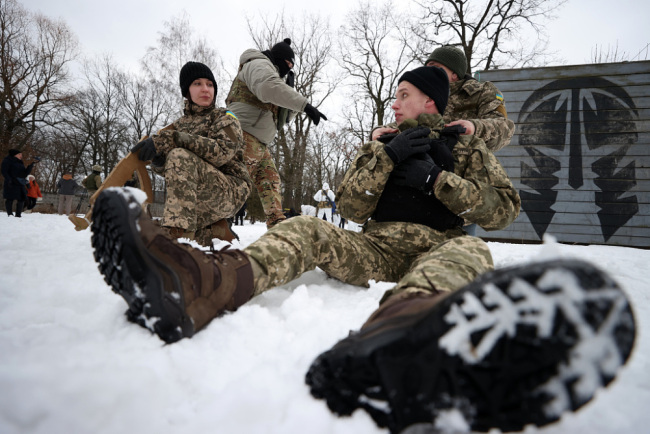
452	333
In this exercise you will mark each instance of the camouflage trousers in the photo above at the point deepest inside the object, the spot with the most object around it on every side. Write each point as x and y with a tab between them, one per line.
266	178
198	194
414	256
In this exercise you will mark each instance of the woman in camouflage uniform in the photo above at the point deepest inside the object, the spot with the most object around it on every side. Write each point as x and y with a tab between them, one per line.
203	161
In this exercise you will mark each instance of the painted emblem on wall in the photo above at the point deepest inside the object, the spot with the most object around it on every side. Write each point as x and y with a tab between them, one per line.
577	133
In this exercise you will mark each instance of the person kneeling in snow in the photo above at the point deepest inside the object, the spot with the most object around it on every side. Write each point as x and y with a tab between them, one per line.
203	160
499	345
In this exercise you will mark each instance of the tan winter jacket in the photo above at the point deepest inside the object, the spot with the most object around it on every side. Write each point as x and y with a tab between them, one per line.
263	79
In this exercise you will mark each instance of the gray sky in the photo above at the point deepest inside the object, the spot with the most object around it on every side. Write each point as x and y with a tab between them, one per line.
126	28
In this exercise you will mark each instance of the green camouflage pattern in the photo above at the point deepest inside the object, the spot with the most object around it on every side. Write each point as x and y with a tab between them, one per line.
479	190
204	169
484	105
414	256
265	177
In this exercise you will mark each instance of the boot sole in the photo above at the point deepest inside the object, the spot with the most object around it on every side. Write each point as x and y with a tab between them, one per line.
132	271
519	346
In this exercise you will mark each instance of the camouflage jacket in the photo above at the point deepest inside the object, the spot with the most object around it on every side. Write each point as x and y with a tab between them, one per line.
482	104
211	133
261	78
478	190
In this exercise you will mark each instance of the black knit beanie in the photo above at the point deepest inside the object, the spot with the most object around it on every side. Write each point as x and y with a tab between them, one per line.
14	152
452	57
190	72
432	81
280	52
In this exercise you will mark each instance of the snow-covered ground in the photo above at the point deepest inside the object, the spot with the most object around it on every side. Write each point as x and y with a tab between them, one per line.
71	363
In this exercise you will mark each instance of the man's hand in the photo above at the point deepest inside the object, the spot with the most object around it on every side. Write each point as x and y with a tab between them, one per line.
468	125
314	114
412	141
145	149
417	172
378	132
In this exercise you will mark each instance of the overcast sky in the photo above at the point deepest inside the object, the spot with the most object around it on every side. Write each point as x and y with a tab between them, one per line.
126	28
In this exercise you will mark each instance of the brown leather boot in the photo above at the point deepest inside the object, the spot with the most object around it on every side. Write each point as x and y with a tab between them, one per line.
171	288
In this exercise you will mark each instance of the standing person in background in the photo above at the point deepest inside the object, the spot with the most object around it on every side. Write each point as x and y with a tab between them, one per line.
325	203
261	96
479	107
66	187
33	193
93	181
239	217
15	173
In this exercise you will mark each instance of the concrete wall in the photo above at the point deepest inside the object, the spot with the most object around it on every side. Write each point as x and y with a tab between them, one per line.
580	156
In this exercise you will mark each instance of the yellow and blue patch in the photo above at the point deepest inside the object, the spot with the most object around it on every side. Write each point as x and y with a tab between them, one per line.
499	97
229	113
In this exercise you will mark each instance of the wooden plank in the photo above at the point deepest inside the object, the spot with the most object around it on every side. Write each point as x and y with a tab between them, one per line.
564	71
569	238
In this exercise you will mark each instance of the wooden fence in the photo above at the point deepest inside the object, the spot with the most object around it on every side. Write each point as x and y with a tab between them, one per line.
580	156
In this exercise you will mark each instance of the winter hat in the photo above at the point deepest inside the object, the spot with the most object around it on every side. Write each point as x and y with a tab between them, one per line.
326	186
452	57
432	81
14	152
280	52
97	168
30	177
190	72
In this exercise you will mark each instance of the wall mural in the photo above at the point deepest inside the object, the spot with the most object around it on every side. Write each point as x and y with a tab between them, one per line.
574	118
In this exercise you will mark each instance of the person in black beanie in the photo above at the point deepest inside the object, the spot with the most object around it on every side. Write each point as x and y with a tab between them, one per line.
202	158
263	98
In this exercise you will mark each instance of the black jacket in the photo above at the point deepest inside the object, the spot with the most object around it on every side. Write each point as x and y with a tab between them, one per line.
15	177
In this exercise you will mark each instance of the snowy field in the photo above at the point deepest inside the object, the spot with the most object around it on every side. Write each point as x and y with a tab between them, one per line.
71	363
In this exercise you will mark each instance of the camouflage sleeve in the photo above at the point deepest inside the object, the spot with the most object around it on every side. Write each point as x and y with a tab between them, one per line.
364	182
479	190
224	139
492	123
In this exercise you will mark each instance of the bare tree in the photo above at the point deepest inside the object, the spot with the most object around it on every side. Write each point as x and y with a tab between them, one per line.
613	54
34	55
490	32
178	45
311	44
373	57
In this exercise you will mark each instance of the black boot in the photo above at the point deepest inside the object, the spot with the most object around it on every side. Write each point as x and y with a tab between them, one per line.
19	208
517	346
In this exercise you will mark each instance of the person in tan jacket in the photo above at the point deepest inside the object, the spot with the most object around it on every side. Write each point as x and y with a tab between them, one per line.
261	96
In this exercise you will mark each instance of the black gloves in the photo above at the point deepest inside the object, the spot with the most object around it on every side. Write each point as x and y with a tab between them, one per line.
442	155
418	172
314	114
412	141
145	149
386	138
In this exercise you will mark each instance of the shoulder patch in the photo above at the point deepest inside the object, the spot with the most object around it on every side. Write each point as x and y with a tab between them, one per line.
499	97
229	113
